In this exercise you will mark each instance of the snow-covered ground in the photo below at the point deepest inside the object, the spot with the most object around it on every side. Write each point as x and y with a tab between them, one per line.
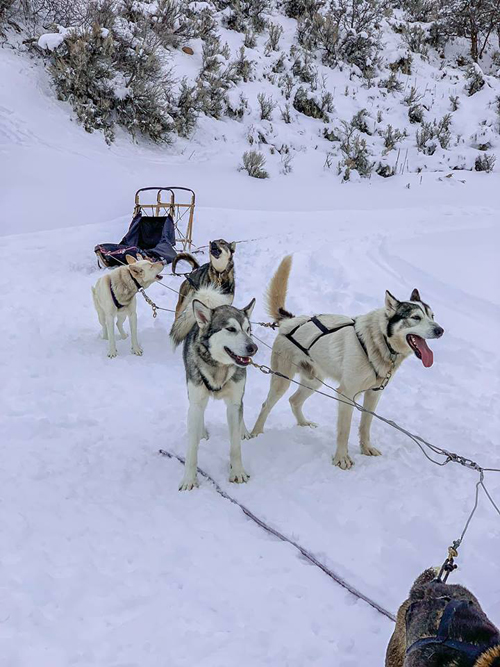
104	562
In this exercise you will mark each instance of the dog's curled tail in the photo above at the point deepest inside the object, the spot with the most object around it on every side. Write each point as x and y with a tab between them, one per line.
186	257
276	292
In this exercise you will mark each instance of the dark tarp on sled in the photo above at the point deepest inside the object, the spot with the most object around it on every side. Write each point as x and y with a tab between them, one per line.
148	236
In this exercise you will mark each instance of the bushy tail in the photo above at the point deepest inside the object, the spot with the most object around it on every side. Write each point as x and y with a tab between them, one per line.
187	257
211	297
276	292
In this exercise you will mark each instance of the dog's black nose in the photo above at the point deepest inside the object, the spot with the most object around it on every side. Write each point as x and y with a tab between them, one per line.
438	331
251	349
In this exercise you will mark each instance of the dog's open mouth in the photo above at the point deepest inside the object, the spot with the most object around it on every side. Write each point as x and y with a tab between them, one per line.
215	251
239	361
421	349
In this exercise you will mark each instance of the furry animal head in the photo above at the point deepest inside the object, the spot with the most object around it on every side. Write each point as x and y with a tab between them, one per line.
409	325
226	332
144	271
221	254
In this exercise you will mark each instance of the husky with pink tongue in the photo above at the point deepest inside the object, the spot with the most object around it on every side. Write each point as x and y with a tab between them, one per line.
362	354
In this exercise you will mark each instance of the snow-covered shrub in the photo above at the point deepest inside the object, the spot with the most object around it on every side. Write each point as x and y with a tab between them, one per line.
253	164
246	14
429	132
267	106
474	20
416	113
167	20
392	83
237	107
187	109
385	170
347	31
413	97
402	64
5	11
286	159
454	102
355	153
95	72
275	32
416	39
419	10
392	137
297	9
214	80
304	69
243	67
311	106
358	122
250	40
475	80
485	163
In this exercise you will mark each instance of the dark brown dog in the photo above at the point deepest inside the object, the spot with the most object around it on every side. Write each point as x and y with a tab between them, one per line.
442	625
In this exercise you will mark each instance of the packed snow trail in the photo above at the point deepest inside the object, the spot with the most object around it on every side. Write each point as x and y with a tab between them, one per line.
108	564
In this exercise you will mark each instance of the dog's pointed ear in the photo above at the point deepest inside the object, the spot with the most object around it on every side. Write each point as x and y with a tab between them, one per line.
391	303
415	295
232	247
202	313
130	259
136	270
249	309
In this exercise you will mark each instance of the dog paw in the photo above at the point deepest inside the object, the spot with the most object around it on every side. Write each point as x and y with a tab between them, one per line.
368	450
112	354
307	423
138	351
343	462
239	476
205	435
245	433
256	432
188	483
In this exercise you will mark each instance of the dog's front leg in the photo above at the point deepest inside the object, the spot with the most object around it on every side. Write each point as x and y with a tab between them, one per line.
234	421
198	399
370	403
110	326
136	348
342	458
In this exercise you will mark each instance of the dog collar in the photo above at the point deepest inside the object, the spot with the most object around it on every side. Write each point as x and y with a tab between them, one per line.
113	296
390	348
138	285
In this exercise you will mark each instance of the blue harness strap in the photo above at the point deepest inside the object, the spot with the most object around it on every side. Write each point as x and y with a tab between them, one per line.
442	638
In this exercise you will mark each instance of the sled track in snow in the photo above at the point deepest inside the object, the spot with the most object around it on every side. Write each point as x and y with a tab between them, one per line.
283	538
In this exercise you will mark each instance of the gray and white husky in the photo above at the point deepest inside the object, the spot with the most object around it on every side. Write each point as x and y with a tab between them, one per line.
362	354
217	349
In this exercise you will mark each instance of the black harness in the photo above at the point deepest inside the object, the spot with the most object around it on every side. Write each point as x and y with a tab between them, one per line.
326	332
113	295
442	638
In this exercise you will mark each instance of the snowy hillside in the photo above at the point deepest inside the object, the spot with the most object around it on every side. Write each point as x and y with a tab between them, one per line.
344	89
104	562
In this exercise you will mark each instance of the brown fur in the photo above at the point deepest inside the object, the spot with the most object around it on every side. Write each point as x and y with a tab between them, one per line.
277	290
476	624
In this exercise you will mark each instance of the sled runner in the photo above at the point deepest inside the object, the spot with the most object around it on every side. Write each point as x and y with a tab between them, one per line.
155	228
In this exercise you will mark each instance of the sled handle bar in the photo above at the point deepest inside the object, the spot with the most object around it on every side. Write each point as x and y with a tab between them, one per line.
161	189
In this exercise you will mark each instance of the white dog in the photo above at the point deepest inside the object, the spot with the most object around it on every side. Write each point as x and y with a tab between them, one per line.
114	299
362	354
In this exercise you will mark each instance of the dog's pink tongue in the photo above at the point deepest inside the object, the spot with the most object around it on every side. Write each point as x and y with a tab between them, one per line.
425	351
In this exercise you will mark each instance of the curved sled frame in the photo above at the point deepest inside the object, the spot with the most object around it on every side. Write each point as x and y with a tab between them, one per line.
182	212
